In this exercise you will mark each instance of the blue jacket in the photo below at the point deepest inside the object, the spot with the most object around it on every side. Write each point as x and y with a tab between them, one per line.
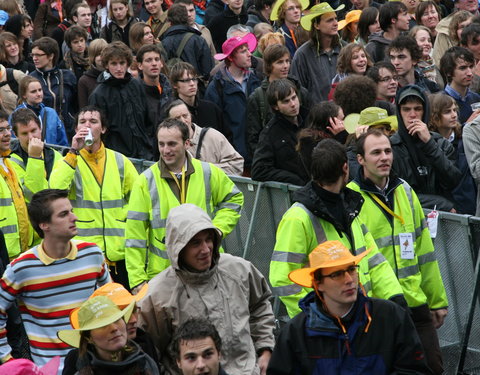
313	342
231	99
55	131
50	81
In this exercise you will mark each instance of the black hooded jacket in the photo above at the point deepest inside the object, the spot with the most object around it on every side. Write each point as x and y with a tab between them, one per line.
428	167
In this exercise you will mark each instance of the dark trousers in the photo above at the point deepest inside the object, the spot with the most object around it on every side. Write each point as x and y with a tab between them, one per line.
119	274
428	336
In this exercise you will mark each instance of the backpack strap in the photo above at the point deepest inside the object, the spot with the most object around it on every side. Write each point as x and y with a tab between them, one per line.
200	141
60	94
183	43
10	81
44	124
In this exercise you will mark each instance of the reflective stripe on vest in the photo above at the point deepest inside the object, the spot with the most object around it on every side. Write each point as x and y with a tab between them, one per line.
322	237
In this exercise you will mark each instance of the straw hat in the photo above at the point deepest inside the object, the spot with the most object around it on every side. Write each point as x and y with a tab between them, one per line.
230	44
96	312
352	16
369	116
327	254
317	11
276	8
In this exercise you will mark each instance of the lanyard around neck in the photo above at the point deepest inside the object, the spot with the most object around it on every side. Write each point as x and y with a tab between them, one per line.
386	208
182	187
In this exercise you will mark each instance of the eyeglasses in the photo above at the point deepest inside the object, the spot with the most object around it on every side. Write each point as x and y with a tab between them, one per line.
339	275
37	54
7	128
389	78
188	80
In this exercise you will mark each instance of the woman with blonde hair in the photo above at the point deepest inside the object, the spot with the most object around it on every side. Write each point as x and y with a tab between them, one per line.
423	37
267	40
121	16
30	95
449	31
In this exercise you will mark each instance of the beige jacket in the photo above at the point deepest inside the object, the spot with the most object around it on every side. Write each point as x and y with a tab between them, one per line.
216	150
8	98
232	294
208	38
443	41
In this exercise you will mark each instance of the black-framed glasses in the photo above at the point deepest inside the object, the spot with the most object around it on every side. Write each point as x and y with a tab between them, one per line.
389	78
188	80
339	275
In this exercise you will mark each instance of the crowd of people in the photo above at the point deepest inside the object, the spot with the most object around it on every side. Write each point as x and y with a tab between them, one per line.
371	108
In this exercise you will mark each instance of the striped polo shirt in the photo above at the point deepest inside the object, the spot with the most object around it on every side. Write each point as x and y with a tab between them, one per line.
47	290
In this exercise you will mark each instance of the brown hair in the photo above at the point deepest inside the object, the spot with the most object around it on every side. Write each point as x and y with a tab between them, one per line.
95	49
271	54
344	61
116	50
283	9
23	87
457	19
422	8
8	37
124	2
439	103
136	34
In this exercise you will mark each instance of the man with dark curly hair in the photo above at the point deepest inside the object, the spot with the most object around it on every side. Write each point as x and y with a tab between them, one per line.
404	54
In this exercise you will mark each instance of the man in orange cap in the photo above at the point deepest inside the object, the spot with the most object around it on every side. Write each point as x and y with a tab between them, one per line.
341	330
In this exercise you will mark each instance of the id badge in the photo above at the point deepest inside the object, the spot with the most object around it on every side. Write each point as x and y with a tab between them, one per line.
432	222
406	246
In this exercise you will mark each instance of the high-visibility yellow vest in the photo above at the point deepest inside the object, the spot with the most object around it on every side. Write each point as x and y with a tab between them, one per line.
151	200
101	209
300	231
419	277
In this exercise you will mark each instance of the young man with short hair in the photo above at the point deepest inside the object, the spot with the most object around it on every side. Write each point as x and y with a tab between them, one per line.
385	76
394	20
55	82
156	84
99	182
33	161
15	224
205	113
193	22
177	178
207	144
123	100
325	209
404	54
276	158
69	270
197	348
195	49
457	65
340	327
76	58
231	86
233	13
315	62
58	32
424	159
226	289
387	199
158	18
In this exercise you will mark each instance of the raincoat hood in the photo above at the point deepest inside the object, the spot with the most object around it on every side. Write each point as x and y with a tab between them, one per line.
183	223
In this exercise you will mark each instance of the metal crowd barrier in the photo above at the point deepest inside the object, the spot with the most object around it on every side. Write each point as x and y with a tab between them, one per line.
456	246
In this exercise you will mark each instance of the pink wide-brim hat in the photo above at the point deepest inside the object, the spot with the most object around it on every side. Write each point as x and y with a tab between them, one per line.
230	44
